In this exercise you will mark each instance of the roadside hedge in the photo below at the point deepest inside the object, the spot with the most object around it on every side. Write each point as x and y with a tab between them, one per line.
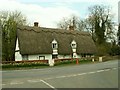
23	65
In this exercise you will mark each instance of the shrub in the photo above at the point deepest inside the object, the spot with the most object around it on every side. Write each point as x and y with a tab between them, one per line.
23	64
103	49
72	62
115	50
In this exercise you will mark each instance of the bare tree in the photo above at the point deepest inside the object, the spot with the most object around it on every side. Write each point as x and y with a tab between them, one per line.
72	21
100	23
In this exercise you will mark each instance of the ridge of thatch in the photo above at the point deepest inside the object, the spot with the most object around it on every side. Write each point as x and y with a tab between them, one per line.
37	40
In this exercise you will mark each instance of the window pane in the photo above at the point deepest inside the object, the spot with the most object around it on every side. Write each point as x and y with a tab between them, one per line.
73	45
54	56
54	45
41	57
25	57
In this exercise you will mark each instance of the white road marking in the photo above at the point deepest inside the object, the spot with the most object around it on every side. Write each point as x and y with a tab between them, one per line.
100	70
48	85
33	81
69	75
73	75
107	70
114	68
91	72
82	74
48	78
3	84
65	76
61	77
14	83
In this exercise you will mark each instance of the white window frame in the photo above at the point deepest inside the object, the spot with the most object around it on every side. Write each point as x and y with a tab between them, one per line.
73	44
54	44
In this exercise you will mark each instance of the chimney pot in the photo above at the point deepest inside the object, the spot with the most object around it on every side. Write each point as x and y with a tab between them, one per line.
36	24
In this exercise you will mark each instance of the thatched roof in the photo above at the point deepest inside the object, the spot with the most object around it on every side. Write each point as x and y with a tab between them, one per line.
38	40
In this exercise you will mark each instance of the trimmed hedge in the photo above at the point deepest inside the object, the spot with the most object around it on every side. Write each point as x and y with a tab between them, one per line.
72	62
23	65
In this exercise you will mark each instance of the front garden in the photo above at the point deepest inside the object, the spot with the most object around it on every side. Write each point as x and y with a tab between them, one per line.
34	64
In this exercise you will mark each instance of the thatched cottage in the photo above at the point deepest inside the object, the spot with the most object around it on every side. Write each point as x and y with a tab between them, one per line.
39	43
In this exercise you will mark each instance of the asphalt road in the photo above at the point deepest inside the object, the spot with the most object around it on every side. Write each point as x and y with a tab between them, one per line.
95	75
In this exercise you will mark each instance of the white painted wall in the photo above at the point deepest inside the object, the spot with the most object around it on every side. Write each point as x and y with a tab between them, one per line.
74	50
36	57
64	56
55	51
18	56
78	56
67	56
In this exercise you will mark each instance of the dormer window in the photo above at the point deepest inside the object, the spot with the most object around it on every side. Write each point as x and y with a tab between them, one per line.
73	44
54	44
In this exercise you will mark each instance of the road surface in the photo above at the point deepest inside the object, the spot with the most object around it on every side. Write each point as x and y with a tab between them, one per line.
95	75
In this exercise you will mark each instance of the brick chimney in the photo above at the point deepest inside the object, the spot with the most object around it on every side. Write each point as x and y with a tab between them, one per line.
71	28
36	24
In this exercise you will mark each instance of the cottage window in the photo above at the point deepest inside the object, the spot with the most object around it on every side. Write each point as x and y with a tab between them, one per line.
54	56
24	57
54	44
73	44
83	55
41	57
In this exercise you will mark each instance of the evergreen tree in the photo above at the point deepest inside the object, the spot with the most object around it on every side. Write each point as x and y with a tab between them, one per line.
9	21
118	34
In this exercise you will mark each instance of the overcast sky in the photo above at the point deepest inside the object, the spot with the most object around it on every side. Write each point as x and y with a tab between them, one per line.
49	12
119	12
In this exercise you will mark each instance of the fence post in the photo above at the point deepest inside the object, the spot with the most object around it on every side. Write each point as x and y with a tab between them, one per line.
51	62
77	62
93	59
100	59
